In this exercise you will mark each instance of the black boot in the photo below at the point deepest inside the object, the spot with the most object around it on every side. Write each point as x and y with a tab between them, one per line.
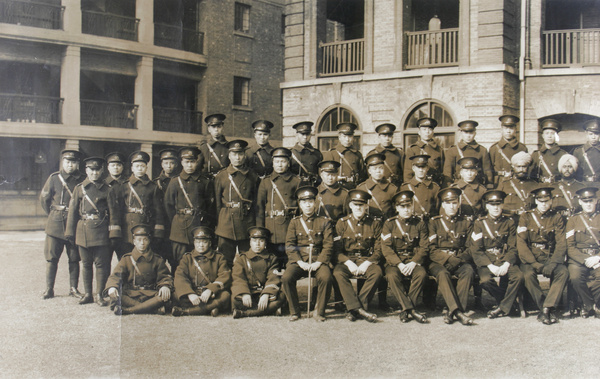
147	307
51	268
74	279
87	286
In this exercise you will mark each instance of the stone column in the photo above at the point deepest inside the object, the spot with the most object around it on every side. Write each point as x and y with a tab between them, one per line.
72	16
143	94
144	11
69	86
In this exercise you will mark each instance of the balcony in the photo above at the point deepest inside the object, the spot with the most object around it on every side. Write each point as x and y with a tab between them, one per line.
177	120
178	38
29	13
343	57
110	114
110	25
29	108
436	48
566	48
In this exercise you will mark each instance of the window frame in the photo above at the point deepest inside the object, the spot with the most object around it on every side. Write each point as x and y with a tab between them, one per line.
331	135
241	19
445	135
238	90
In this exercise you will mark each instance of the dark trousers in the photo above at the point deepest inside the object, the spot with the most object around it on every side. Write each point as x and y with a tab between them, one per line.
505	293
221	301
179	249
417	279
53	249
558	282
100	257
230	248
455	298
254	312
342	276
164	248
121	248
279	250
579	278
289	280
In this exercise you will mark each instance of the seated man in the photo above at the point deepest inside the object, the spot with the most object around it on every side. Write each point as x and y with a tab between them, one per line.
542	247
494	250
309	245
255	287
141	282
358	252
202	279
448	235
404	246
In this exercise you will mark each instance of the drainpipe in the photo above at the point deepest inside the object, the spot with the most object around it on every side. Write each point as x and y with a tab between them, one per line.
522	59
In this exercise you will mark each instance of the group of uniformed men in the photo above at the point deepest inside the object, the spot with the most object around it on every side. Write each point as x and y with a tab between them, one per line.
239	225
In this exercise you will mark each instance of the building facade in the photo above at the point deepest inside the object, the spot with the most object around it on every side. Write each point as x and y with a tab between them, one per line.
122	75
378	61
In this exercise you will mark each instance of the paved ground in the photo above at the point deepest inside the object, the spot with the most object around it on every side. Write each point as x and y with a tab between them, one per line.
59	338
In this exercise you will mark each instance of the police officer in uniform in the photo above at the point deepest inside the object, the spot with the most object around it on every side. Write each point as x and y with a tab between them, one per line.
140	283
256	286
169	163
235	193
115	165
542	250
583	250
352	167
518	187
309	245
189	202
55	198
394	156
379	188
545	160
259	153
471	189
425	190
588	154
404	241
215	155
426	145
202	279
358	255
494	250
467	147
305	158
448	234
87	225
332	198
276	202
502	151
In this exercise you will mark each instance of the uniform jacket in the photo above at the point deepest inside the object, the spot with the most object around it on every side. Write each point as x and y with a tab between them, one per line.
579	237
332	202
352	166
426	193
188	279
151	211
448	238
381	203
517	191
236	215
550	232
210	163
405	243
55	201
90	233
584	171
394	163
551	157
320	235
497	248
501	165
153	274
183	218
272	213
254	273
358	240
310	158
564	196
461	150
255	163
436	162
162	181
470	197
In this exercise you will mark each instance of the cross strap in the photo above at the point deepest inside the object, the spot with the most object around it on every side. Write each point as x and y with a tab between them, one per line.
185	194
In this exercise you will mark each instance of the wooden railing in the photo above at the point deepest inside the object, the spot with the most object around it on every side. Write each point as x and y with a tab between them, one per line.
179	38
30	108
564	48
110	25
30	13
107	113
343	57
177	120
438	48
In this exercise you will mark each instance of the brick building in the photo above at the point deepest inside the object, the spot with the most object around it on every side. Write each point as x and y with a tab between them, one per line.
376	61
119	75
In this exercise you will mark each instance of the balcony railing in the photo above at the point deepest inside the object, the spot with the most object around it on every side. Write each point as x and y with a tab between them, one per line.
29	13
110	25
564	48
106	113
437	48
29	108
177	120
343	57
178	38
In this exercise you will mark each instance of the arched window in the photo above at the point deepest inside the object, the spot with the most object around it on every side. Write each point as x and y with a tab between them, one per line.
327	136
445	131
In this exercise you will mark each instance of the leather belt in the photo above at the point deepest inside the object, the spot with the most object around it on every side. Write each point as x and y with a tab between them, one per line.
404	252
540	245
90	216
186	211
149	287
347	179
504	173
59	208
359	253
450	251
233	205
494	250
590	252
275	213
135	210
549	179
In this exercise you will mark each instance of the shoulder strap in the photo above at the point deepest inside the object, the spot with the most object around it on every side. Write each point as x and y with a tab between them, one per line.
514	186
305	227
566	195
323	206
89	200
404	234
135	267
410	187
200	270
185	194
252	271
260	158
460	152
589	229
235	187
135	194
278	193
374	199
544	164
535	219
463	194
504	155
214	154
587	160
487	228
343	158
64	183
350	225
294	157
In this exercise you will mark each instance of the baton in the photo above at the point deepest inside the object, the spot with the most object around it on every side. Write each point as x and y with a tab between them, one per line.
310	248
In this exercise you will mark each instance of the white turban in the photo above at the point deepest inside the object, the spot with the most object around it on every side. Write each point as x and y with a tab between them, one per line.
568	158
521	159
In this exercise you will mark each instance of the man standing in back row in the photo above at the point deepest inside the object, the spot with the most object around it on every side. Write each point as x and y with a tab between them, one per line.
502	151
